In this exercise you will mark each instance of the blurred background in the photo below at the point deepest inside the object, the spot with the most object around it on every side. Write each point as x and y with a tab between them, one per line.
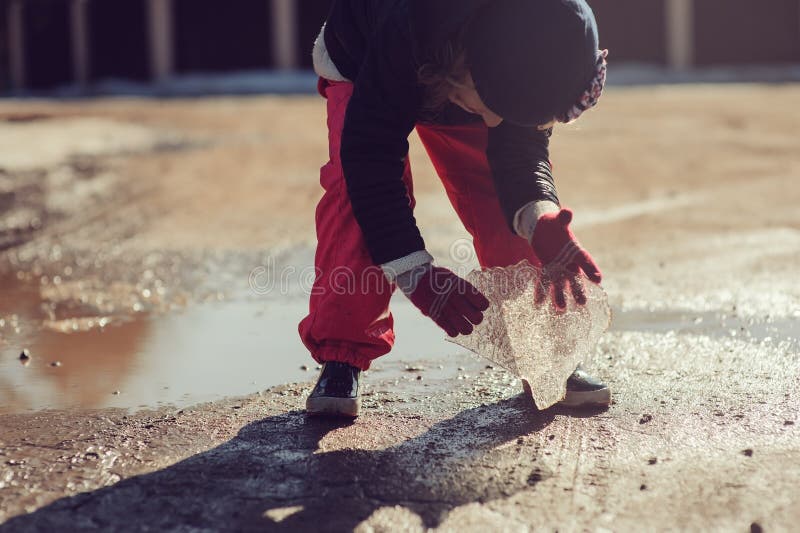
80	44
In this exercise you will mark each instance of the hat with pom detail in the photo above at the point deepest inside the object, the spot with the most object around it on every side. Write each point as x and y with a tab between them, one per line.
533	61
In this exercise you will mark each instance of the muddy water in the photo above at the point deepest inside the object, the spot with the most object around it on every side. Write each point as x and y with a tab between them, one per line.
202	353
87	353
214	350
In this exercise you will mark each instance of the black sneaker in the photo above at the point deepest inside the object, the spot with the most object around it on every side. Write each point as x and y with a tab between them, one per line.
584	390
336	391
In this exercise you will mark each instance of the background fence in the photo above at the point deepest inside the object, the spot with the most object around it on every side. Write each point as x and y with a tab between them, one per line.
52	43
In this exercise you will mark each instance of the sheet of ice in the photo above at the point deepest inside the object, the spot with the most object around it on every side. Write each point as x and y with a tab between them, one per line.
535	342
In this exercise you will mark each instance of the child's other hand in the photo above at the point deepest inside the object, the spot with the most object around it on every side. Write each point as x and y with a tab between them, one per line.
563	259
555	285
450	301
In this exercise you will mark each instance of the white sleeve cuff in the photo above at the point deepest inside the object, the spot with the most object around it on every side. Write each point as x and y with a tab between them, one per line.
526	217
392	269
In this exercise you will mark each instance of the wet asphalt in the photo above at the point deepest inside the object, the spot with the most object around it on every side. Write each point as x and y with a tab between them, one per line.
161	391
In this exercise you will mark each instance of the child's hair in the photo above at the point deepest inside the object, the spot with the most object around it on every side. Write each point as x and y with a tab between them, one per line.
445	70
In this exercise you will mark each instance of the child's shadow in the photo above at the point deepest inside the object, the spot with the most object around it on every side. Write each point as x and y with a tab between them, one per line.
275	465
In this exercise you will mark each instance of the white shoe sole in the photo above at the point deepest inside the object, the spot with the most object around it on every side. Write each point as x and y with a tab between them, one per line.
333	406
595	398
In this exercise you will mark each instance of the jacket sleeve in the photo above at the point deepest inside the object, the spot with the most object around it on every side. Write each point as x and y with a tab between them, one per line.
519	158
380	116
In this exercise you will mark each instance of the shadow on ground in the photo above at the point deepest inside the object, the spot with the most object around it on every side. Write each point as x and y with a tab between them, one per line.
275	466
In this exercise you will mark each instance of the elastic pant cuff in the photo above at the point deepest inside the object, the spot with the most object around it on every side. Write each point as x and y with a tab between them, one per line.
342	355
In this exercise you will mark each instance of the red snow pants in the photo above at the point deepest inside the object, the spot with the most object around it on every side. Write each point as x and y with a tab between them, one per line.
351	322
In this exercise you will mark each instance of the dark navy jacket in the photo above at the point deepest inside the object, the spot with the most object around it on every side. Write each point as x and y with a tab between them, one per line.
380	45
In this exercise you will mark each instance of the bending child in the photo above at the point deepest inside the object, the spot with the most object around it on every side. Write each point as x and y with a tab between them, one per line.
483	82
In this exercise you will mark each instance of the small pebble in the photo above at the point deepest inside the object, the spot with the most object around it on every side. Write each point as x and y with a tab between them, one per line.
755	527
788	422
645	419
652	461
25	355
748	452
304	368
642	487
115	393
55	363
419	378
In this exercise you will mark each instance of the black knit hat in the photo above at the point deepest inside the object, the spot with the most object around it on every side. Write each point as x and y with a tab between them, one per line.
532	59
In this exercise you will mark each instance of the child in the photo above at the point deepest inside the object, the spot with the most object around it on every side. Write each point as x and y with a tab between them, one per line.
483	82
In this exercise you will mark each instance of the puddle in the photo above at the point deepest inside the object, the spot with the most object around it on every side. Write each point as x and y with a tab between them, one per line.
206	352
83	358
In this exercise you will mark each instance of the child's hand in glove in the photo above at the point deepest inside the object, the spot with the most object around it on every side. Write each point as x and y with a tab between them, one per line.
562	260
452	302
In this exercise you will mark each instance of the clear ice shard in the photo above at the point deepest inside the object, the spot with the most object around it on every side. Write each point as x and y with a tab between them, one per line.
536	343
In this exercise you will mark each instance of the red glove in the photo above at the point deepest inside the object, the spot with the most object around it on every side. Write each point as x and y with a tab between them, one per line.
562	259
452	302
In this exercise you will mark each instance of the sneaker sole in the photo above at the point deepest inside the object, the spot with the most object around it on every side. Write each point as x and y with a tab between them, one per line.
595	398
333	406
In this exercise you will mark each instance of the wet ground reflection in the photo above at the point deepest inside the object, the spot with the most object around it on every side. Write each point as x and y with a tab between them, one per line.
230	348
206	352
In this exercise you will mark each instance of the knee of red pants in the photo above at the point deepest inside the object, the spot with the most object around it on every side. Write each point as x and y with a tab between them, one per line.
499	247
459	155
331	342
495	244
